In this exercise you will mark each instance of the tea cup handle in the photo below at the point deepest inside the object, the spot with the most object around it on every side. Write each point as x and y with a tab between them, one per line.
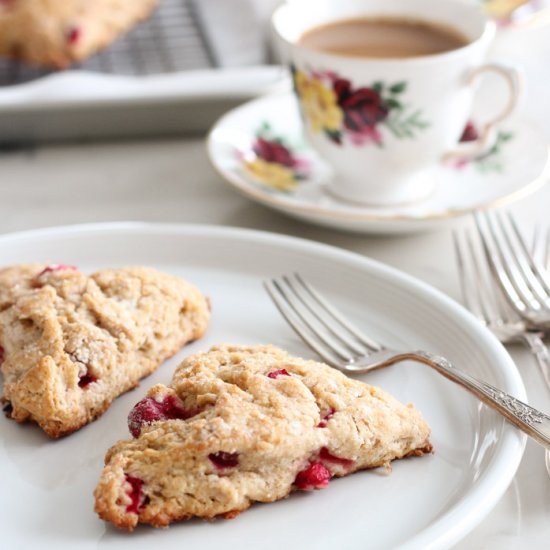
487	133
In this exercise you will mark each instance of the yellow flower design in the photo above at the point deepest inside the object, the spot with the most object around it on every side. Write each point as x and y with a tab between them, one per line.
271	174
501	8
319	103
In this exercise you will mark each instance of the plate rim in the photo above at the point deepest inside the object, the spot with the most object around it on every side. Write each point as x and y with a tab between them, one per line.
49	92
496	479
273	201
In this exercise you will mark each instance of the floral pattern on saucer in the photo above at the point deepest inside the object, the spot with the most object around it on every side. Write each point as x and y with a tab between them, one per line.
273	162
343	112
492	160
525	162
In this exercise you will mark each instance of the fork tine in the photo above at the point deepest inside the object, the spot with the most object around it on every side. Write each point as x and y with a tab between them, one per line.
319	323
315	328
515	259
312	323
541	279
329	309
540	247
466	281
500	267
532	275
478	290
301	291
293	320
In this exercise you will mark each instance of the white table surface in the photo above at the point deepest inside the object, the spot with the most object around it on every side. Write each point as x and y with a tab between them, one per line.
172	181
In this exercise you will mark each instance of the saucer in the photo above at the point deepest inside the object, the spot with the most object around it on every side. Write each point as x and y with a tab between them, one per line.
259	149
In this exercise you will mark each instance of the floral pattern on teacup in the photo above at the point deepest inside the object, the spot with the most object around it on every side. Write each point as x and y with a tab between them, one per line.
273	162
492	160
332	105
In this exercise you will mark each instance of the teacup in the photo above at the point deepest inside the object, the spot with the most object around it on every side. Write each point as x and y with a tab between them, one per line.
383	123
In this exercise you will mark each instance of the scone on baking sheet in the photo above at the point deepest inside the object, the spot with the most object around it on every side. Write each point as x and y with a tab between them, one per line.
57	33
71	343
239	425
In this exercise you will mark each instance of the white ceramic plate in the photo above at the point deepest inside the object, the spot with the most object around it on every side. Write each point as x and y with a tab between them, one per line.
517	165
429	502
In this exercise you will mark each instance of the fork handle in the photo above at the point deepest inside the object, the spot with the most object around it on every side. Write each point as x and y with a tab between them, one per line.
534	341
534	423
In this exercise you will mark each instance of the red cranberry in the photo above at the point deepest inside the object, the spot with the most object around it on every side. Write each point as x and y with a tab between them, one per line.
222	460
326	456
149	410
326	418
315	476
2	355
56	267
139	501
277	373
86	379
470	132
74	34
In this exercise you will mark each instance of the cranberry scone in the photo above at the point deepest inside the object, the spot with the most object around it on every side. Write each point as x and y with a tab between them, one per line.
239	425
71	343
57	33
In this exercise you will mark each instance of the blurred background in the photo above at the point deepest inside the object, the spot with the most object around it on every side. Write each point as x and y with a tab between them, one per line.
180	69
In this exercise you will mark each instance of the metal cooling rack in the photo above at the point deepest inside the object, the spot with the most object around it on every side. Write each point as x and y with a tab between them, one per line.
171	40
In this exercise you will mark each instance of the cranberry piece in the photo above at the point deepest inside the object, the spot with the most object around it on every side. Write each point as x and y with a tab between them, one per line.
326	418
326	456
86	379
315	476
222	460
74	34
136	494
470	132
56	267
276	373
2	355
149	410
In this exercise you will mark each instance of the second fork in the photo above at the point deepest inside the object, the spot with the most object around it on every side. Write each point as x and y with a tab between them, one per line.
484	298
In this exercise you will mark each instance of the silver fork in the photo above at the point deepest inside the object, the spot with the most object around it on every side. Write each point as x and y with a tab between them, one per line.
523	279
487	302
327	332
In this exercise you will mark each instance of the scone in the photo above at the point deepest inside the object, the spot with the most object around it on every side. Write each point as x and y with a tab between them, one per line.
71	343
57	33
240	425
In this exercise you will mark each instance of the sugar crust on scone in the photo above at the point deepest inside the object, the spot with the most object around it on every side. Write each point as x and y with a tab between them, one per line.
71	343
58	33
239	425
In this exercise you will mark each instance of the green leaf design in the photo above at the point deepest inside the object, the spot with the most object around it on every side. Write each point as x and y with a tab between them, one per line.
492	161
334	135
392	103
488	165
398	87
378	87
264	130
403	125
